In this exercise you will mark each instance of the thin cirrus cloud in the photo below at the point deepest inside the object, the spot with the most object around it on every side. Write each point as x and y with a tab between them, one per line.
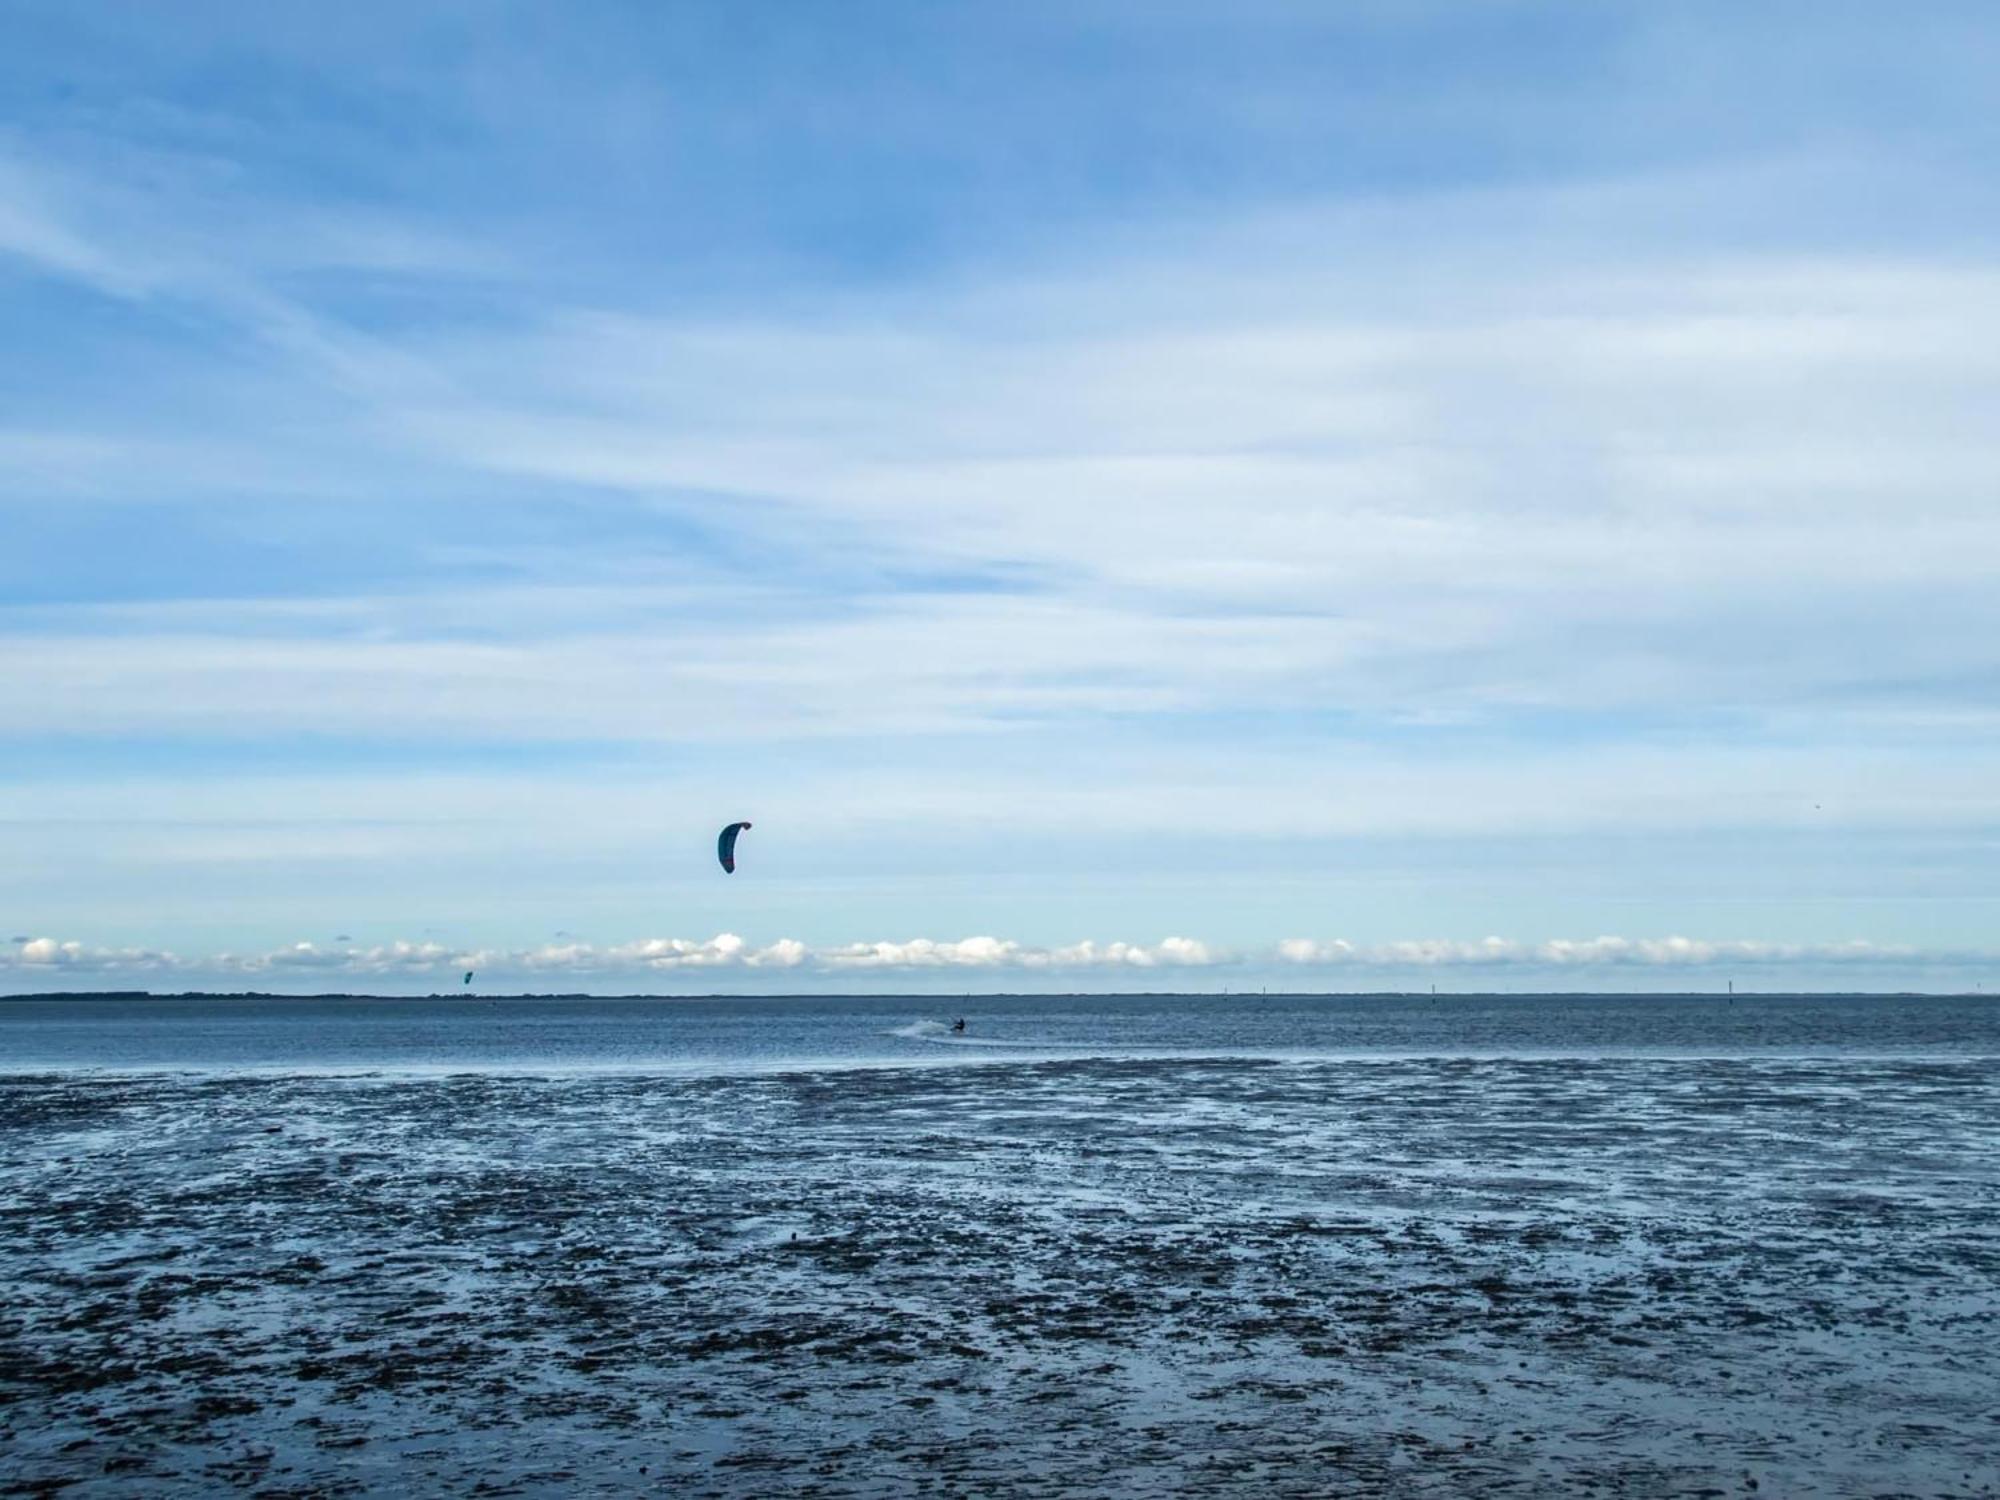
1389	516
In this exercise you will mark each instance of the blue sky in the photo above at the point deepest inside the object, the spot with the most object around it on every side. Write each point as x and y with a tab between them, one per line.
1495	494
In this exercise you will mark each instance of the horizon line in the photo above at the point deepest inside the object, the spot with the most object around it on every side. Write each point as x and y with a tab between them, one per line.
960	995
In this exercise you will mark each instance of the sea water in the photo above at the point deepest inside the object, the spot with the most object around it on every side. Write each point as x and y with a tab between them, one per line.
1128	1246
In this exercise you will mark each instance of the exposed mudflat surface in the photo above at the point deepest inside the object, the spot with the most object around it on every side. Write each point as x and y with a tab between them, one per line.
1664	1276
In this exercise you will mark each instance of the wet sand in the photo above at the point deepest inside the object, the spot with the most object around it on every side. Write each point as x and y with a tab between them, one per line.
1094	1277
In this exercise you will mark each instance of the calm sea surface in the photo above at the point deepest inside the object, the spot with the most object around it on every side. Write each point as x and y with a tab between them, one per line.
1134	1246
552	1035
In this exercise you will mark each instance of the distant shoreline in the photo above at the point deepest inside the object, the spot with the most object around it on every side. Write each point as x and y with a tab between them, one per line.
960	997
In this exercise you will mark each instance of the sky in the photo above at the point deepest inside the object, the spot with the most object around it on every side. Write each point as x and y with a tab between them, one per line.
1174	496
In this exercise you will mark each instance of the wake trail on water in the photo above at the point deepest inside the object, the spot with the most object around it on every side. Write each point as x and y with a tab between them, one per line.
943	1035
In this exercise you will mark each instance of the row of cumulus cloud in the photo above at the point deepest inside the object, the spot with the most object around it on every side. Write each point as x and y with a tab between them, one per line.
728	951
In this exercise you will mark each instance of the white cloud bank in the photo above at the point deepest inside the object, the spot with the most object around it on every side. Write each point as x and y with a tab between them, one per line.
28	962
646	955
1593	952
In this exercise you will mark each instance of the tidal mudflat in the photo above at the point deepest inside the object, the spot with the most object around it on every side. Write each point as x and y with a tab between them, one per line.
1130	1276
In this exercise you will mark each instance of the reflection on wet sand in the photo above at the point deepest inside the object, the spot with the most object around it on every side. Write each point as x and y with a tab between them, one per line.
1393	1277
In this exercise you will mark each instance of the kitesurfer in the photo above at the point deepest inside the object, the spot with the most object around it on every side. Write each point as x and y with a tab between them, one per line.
959	1024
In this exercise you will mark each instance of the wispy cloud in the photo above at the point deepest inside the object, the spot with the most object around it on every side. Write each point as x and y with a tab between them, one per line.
1587	508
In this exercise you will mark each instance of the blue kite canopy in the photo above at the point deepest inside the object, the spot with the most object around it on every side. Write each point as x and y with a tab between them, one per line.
725	846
